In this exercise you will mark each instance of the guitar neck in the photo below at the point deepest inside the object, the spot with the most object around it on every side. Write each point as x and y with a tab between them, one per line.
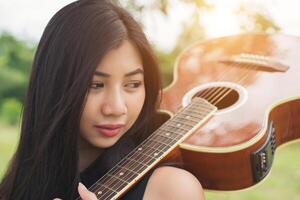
146	155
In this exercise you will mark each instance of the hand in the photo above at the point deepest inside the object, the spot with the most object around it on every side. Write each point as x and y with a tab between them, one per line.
84	193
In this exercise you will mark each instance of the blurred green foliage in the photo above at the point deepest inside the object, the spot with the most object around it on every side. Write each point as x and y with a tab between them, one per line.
10	111
16	59
251	20
15	62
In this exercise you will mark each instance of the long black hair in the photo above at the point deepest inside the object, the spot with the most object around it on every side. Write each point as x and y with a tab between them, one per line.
45	164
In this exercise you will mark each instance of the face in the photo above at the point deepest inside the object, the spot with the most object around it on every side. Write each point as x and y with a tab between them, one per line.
115	98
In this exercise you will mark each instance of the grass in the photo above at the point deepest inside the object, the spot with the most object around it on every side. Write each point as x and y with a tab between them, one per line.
8	140
283	182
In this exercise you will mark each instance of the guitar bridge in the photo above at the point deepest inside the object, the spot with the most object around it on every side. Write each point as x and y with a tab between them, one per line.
262	159
264	63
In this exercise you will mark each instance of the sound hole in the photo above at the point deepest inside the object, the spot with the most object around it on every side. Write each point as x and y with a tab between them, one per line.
221	97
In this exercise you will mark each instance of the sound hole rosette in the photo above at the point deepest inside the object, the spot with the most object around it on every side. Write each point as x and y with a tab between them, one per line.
242	95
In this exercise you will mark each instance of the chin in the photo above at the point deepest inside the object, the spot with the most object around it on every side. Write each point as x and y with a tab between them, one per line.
106	144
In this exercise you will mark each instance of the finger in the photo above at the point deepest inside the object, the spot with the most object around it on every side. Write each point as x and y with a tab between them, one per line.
85	194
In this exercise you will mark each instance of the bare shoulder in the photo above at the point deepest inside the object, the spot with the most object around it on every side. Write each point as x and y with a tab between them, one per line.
173	183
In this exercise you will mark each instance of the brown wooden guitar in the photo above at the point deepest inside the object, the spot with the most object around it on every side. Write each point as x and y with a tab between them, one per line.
254	81
233	101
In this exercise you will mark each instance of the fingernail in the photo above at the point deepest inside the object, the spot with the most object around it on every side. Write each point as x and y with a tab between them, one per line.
82	186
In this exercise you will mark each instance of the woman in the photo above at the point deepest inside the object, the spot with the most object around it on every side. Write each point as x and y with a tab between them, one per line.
92	97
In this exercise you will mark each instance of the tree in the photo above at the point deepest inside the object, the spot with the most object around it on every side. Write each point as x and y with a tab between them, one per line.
15	62
252	20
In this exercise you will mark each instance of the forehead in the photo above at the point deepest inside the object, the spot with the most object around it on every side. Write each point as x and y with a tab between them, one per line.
121	60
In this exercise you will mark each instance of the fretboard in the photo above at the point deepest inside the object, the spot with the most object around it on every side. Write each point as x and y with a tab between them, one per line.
139	161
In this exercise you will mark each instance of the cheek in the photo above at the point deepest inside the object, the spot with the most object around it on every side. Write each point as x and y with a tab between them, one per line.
136	104
88	113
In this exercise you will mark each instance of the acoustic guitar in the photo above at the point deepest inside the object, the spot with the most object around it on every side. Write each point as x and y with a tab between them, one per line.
233	101
254	81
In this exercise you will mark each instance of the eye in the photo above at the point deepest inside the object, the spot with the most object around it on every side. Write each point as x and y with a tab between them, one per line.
97	85
134	84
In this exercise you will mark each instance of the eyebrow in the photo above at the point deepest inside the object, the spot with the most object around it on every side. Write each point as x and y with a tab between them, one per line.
137	71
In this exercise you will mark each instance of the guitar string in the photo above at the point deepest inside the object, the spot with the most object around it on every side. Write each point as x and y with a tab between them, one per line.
141	145
207	91
217	93
214	91
160	145
219	99
133	163
166	141
225	94
143	152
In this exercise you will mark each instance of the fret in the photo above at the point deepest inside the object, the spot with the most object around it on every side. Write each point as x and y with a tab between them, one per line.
123	173
152	149
151	139
130	164
181	117
118	178
148	147
149	155
145	160
167	140
155	146
183	124
168	136
180	125
187	119
123	167
109	181
193	114
171	129
155	155
114	183
202	109
176	126
103	193
107	187
168	133
138	162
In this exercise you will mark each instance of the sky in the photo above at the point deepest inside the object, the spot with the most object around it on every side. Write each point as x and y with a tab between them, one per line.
27	19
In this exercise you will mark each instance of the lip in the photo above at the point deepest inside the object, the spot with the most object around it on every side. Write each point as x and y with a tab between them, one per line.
109	126
109	130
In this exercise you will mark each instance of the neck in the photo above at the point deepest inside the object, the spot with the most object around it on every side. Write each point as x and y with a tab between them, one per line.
87	154
156	147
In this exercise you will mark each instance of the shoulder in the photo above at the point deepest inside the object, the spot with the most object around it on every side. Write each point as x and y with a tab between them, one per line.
173	183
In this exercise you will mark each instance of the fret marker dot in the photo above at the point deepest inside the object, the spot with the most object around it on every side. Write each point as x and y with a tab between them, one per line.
187	117
100	192
121	174
167	134
155	154
178	125
140	148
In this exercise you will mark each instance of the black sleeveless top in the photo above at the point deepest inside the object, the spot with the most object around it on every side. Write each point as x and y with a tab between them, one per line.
105	162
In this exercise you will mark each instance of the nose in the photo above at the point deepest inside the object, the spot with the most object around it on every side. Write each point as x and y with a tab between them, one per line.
114	104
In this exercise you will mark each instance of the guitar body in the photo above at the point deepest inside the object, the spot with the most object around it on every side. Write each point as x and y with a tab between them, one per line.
254	81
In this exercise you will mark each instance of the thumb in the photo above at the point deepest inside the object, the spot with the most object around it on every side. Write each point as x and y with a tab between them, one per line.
85	194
